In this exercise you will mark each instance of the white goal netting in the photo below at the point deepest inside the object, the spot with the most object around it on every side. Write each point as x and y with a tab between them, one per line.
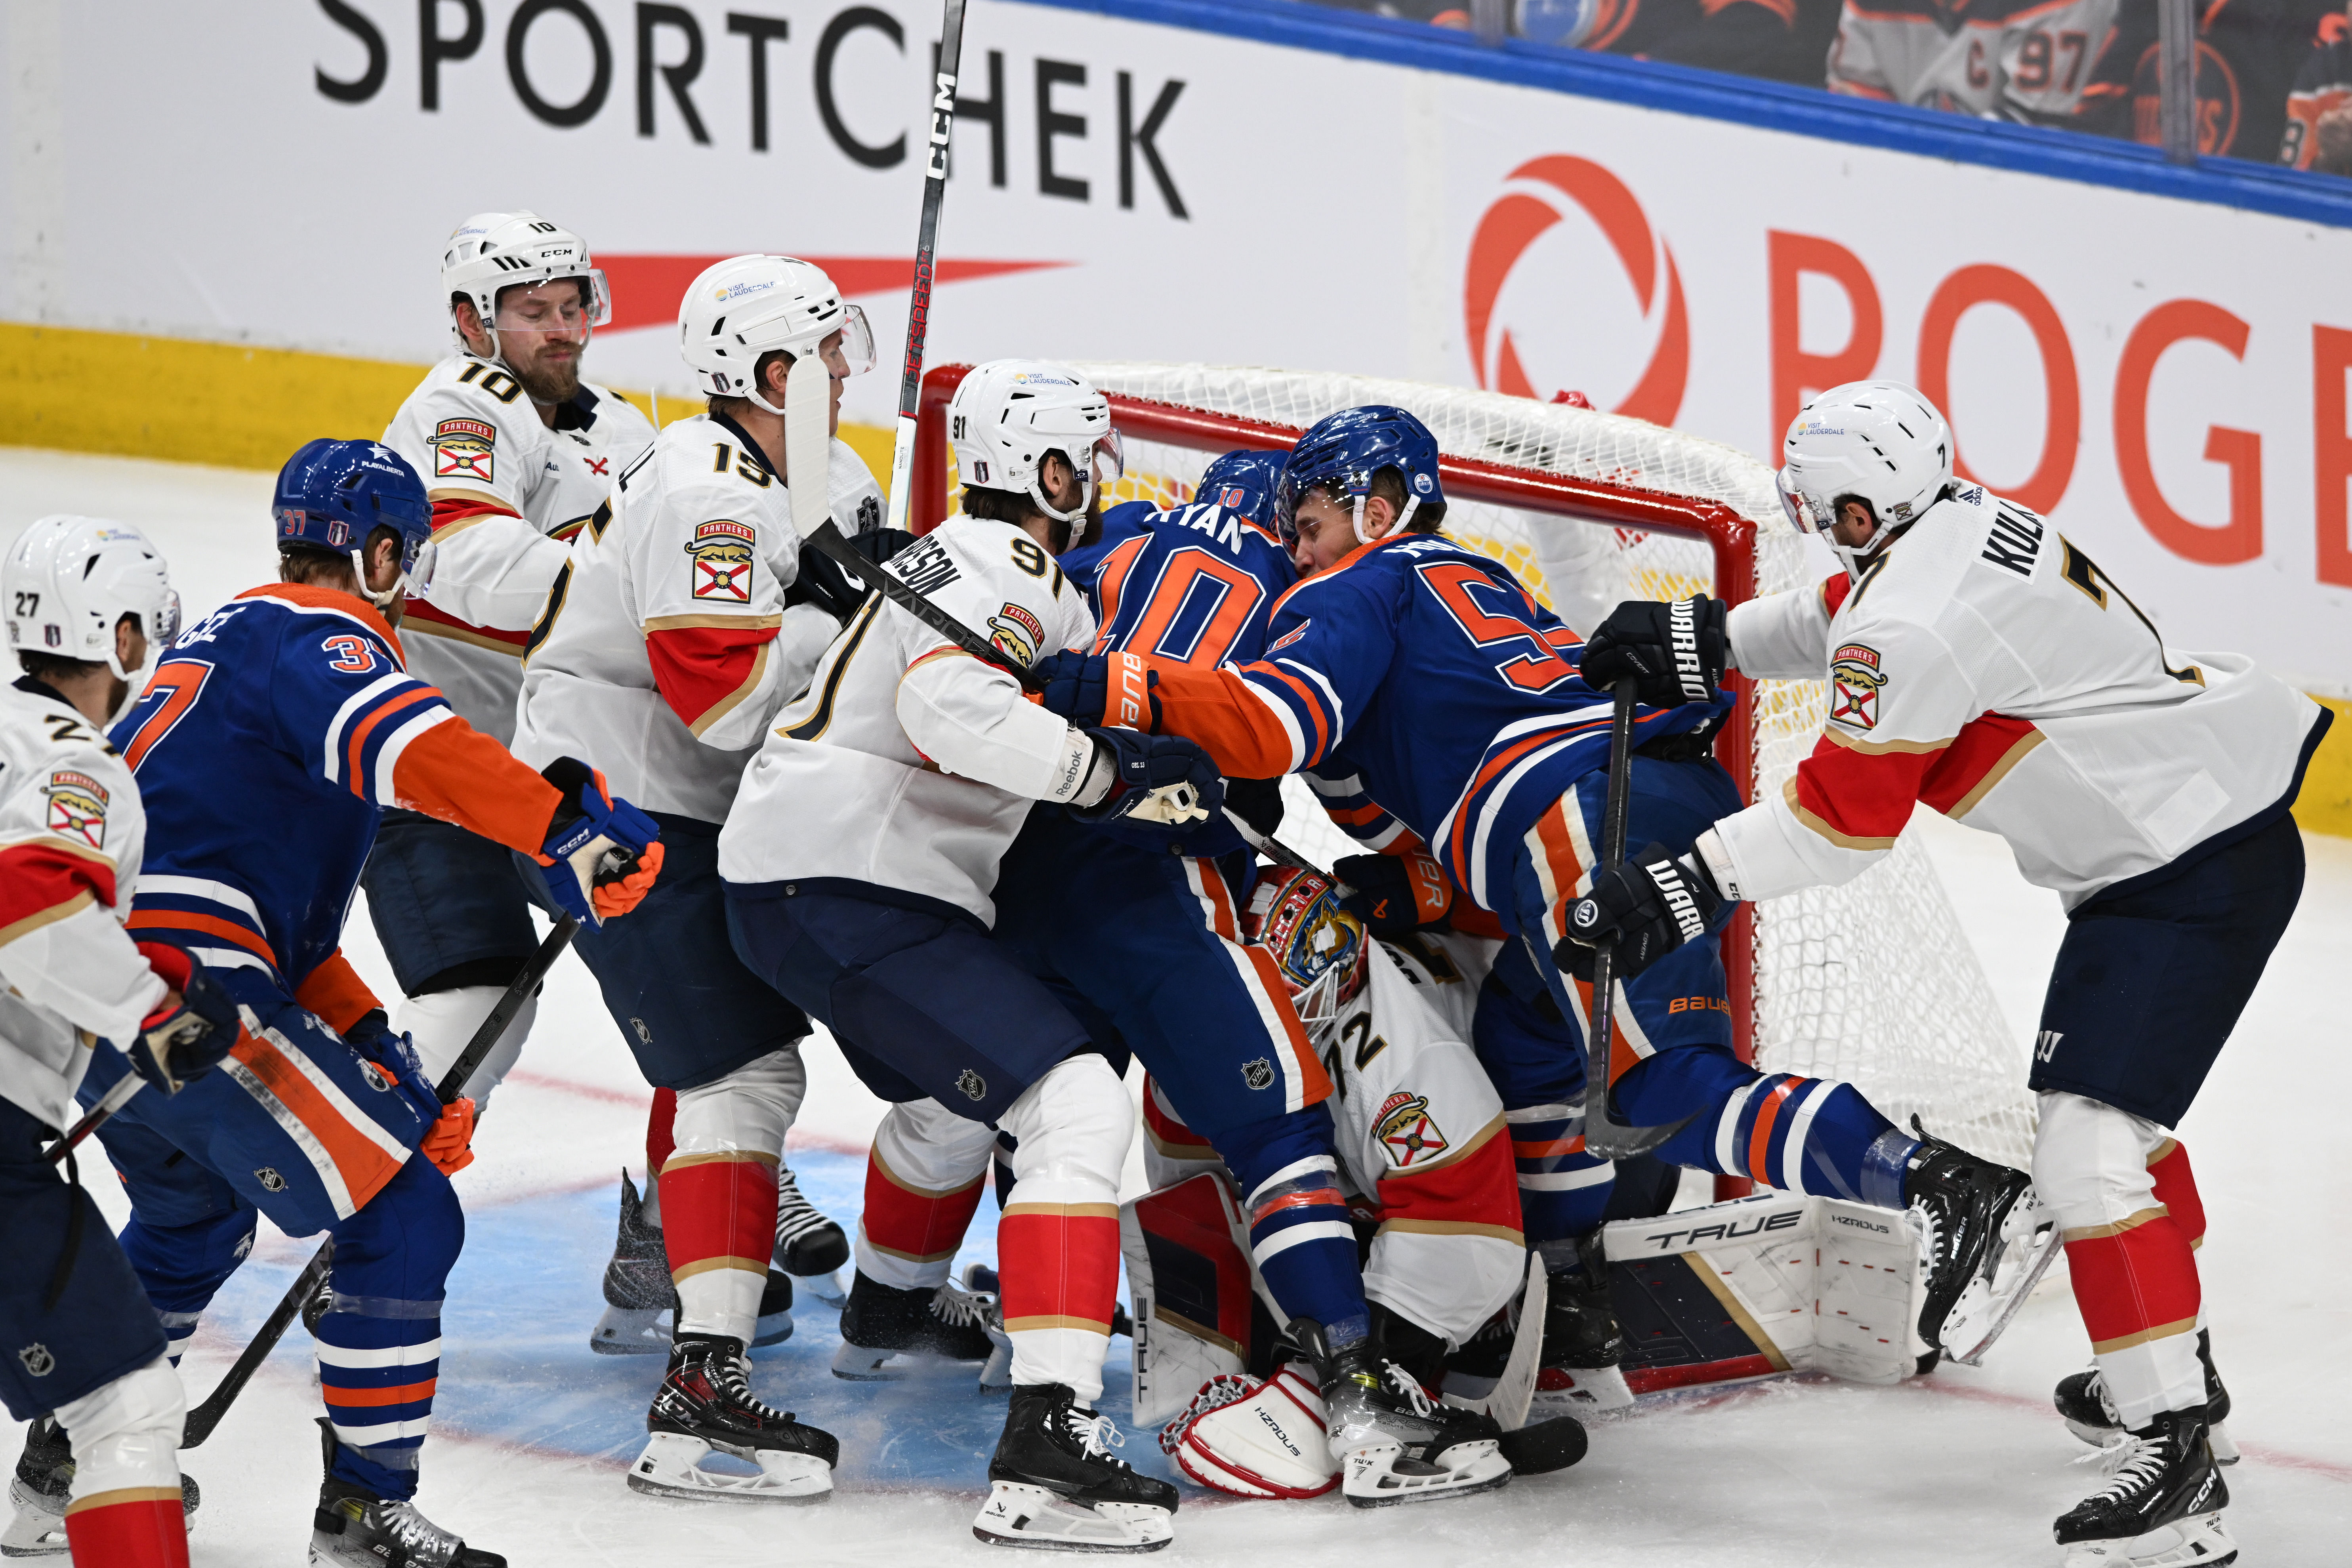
1874	982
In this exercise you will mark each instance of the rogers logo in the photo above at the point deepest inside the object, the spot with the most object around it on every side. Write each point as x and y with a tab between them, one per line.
1515	223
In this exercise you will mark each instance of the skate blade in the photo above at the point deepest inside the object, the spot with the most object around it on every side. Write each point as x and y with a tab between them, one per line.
2225	1449
35	1530
856	1363
1370	1477
1580	1390
671	1466
996	1373
630	1331
1986	1307
772	1330
826	1287
2198	1541
1033	1517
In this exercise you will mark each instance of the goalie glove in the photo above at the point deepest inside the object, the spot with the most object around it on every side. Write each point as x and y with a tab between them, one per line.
187	1036
601	854
1164	779
1674	652
1649	906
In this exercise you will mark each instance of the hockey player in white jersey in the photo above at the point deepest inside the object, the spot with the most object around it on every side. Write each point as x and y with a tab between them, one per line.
516	451
86	605
685	618
1981	663
858	858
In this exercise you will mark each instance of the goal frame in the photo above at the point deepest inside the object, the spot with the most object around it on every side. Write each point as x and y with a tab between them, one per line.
1730	539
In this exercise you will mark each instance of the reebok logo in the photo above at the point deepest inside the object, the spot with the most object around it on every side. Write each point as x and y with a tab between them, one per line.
1682	629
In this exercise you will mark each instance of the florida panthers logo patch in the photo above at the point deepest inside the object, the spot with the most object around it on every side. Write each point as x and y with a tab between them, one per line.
1855	683
1258	1074
463	449
1405	1128
722	551
974	1087
77	807
1016	632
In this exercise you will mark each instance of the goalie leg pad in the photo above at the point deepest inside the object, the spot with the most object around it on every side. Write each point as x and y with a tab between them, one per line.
1194	1309
1258	1440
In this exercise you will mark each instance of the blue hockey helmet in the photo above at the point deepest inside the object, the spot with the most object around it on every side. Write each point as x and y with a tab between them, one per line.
1243	481
333	494
1341	452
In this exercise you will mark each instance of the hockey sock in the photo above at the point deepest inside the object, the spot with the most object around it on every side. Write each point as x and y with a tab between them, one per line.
1564	1190
1808	1135
379	1344
180	1267
126	1486
442	1024
2175	1189
719	1191
661	1139
2127	1257
1057	1244
924	1178
1300	1235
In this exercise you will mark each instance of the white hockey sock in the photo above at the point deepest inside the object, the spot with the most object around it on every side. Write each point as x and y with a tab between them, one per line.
1057	1245
443	1023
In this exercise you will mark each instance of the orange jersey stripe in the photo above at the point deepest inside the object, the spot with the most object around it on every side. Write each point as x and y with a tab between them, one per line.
363	1167
211	925
1759	1144
335	993
404	1393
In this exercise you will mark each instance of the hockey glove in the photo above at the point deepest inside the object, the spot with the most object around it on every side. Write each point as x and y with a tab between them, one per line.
187	1037
1394	895
602	853
1091	690
450	1143
1257	802
1650	906
1675	651
824	581
1164	779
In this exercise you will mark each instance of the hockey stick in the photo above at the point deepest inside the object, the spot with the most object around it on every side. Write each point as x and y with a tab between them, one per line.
919	306
108	1104
826	538
207	1415
1604	1135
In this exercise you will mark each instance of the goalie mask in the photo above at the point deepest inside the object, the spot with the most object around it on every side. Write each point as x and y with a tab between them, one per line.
1316	943
498	262
68	581
1009	413
1873	441
750	306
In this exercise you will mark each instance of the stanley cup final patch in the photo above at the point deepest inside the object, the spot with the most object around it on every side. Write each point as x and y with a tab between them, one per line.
77	807
463	449
723	551
1855	683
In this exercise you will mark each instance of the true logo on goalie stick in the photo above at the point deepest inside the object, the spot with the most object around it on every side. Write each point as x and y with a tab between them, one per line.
1405	1130
77	807
1855	684
465	449
1016	633
974	1087
1258	1073
722	551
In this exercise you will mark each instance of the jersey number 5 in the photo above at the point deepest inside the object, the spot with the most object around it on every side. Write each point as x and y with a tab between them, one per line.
1536	664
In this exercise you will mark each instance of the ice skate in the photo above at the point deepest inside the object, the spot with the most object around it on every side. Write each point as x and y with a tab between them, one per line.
996	1373
42	1487
705	1403
1583	1343
356	1528
809	1246
1393	1443
640	1303
886	1332
1055	1484
1960	1205
2082	1399
2023	1250
2162	1509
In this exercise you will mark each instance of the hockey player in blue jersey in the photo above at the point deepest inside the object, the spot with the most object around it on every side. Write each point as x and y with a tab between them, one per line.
1427	672
274	735
1162	960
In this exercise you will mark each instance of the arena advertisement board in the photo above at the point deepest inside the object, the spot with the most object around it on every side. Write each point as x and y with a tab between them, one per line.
2165	378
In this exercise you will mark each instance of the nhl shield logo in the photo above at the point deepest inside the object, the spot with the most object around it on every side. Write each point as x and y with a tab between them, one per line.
375	1077
974	1087
1258	1074
271	1182
37	1360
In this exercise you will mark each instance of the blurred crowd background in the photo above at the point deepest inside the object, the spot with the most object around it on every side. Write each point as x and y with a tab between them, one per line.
2273	77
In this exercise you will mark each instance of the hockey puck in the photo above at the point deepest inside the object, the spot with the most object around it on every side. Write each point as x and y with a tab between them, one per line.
1553	1445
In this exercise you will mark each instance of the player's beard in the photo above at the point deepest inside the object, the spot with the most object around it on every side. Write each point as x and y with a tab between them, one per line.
548	378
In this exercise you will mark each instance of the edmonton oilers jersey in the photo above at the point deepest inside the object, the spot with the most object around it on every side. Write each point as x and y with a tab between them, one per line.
1426	668
265	750
1194	584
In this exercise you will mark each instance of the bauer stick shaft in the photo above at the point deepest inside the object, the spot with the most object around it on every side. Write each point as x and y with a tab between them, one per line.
207	1415
1604	1135
927	239
826	538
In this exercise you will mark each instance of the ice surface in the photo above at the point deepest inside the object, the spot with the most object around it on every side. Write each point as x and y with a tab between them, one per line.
533	1432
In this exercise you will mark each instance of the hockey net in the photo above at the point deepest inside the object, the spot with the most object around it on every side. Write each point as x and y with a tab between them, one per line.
1874	982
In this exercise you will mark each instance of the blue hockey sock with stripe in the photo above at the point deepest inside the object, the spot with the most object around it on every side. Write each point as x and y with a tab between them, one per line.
380	1342
1300	1235
1564	1190
1800	1134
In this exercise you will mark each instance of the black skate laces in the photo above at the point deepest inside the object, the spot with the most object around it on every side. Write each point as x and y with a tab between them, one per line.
731	1376
795	1216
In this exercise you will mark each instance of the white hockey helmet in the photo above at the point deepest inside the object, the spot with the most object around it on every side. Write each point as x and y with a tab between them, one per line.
1877	441
493	252
1009	413
747	306
68	580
